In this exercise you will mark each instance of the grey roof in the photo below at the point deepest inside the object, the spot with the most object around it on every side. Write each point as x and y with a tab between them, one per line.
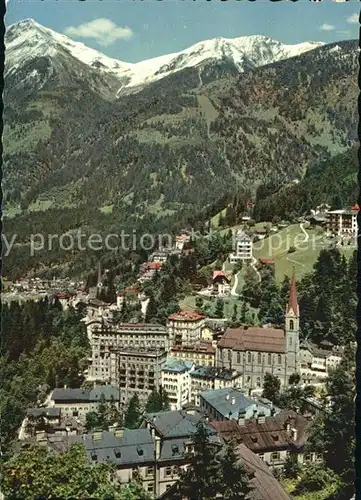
134	447
43	412
92	394
108	391
175	449
175	423
217	399
213	372
67	394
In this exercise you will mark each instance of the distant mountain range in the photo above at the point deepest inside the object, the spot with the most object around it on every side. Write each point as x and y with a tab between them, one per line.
185	129
27	41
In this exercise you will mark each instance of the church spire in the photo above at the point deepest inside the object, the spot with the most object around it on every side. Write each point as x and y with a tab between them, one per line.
292	302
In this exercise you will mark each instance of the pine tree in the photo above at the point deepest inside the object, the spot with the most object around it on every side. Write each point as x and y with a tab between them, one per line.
132	414
219	310
234	480
271	387
201	480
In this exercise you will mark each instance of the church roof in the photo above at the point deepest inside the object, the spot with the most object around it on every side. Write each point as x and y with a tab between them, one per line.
292	302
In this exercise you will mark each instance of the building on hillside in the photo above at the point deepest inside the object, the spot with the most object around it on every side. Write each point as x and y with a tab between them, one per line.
104	337
181	240
176	381
272	438
266	262
343	223
185	327
136	370
78	402
160	256
221	283
201	353
231	404
129	294
243	248
172	432
209	377
255	351
318	360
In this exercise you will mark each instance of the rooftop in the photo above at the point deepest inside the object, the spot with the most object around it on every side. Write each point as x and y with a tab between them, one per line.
204	347
175	424
229	402
253	339
212	372
177	365
186	316
86	394
271	435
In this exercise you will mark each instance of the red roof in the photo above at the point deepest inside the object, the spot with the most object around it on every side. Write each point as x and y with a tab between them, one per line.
220	274
292	302
264	260
186	316
355	207
153	266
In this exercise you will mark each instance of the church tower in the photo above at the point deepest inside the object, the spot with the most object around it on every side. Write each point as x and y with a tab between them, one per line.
292	329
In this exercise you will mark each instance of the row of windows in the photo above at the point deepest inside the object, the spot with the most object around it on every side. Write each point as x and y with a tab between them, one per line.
250	358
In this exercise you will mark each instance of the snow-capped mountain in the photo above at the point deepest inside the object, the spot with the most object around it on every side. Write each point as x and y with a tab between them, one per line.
27	40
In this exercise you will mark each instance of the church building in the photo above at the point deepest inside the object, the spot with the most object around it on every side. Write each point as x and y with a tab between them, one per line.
255	351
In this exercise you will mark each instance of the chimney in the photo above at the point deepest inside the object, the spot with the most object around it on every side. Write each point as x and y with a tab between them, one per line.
227	397
157	448
261	418
65	386
242	418
119	433
233	400
294	434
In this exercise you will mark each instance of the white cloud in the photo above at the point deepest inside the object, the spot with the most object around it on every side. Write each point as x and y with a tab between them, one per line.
104	31
353	19
327	27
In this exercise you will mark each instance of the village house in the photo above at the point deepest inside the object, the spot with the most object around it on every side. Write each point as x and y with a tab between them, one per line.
272	438
221	284
181	240
201	353
129	294
318	360
255	351
343	223
185	327
78	402
176	381
243	248
209	377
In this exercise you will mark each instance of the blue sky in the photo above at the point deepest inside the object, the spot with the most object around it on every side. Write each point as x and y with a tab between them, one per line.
135	30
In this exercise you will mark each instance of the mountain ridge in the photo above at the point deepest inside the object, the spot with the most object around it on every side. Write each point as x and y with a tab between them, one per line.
244	53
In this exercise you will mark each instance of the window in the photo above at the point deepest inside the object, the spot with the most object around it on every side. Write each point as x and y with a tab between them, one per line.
275	456
270	359
261	456
292	326
167	486
259	360
238	357
150	487
279	359
290	341
229	355
75	413
249	357
168	471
